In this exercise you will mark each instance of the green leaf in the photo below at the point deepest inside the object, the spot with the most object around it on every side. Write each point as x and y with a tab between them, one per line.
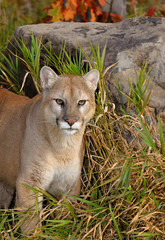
2	223
70	210
146	136
115	223
161	136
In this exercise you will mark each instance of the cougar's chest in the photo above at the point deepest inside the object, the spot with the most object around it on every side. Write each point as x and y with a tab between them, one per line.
62	176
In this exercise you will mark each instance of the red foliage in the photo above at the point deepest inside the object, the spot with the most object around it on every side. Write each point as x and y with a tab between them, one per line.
115	17
79	10
102	2
151	11
133	3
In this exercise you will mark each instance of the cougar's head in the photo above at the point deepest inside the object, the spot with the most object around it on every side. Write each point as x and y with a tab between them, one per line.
68	100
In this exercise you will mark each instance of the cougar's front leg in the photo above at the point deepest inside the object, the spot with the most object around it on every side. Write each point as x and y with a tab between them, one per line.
77	186
75	191
27	199
6	195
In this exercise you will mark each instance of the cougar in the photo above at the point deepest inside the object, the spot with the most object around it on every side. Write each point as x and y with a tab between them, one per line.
41	139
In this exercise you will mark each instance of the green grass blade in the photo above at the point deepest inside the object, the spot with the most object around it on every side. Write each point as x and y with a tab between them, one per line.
2	223
115	223
146	136
161	135
71	210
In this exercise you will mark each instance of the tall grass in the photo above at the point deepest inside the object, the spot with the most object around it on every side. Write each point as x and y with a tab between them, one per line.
123	177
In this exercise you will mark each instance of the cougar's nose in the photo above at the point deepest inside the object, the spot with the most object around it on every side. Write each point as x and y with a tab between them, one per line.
71	121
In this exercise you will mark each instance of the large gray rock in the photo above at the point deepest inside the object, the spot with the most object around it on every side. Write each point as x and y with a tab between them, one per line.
131	42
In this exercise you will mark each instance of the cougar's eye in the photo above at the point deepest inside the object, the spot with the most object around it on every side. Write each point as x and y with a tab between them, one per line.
59	101
81	102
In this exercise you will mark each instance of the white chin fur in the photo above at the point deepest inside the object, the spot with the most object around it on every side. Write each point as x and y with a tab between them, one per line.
64	126
69	131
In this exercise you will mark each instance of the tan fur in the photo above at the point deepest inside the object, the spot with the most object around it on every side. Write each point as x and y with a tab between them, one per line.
34	149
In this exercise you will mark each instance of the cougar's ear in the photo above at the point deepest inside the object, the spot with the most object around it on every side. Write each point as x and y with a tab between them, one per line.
47	77
92	79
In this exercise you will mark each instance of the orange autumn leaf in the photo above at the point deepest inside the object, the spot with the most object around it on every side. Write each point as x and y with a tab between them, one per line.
69	14
93	16
133	3
98	11
116	17
70	10
102	2
71	4
79	10
56	12
74	3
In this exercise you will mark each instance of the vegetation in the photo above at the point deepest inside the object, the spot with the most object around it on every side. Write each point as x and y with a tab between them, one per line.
92	10
19	12
123	177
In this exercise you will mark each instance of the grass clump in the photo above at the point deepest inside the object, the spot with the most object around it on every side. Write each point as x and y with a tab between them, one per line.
123	177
